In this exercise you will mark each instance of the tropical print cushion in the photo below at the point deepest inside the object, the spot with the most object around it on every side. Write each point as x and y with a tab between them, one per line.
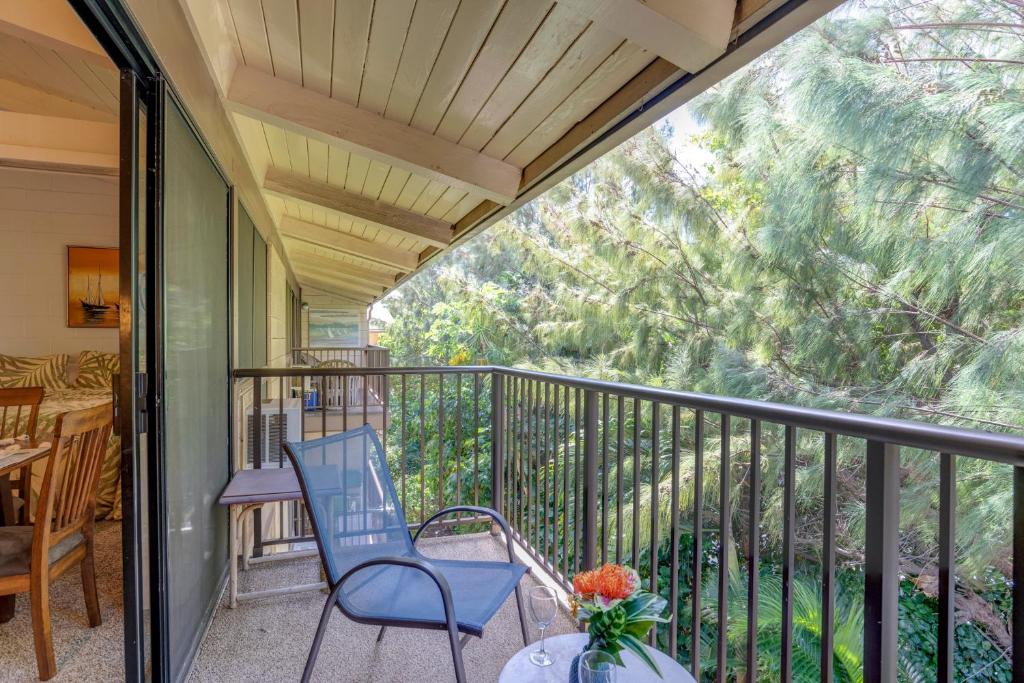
95	369
49	372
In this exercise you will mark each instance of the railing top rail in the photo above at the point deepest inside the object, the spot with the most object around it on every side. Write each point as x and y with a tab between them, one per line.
999	447
368	347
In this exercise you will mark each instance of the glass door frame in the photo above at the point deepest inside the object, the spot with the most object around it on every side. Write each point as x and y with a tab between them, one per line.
134	400
139	399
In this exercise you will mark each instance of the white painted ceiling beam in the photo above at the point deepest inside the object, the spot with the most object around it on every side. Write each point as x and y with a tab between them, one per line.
335	287
337	271
304	111
689	33
328	279
303	252
338	280
347	244
54	25
54	143
310	290
388	216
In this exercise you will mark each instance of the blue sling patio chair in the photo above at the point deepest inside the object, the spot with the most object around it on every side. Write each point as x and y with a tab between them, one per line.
374	571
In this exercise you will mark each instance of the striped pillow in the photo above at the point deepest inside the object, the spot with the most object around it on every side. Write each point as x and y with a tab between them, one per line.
96	368
49	372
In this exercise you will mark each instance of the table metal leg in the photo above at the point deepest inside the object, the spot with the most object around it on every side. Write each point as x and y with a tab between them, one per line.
244	515
233	556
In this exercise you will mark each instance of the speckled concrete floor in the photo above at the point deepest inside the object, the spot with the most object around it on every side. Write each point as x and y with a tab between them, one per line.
83	653
268	640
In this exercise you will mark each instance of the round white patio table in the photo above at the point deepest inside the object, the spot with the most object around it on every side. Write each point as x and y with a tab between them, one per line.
562	649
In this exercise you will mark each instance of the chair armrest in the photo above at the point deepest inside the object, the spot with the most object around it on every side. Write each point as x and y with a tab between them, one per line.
423	566
479	510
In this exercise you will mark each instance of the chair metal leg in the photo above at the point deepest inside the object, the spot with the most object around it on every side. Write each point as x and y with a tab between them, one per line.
380	636
522	615
314	650
453	638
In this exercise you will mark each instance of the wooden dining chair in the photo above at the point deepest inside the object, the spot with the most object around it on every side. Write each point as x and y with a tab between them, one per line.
19	415
32	557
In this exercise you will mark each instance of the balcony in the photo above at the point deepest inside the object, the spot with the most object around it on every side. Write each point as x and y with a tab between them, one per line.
269	640
681	486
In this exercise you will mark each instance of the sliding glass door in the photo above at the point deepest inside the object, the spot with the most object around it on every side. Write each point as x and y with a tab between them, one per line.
195	341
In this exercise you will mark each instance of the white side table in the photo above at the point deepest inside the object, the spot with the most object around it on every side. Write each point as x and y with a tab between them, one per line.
563	649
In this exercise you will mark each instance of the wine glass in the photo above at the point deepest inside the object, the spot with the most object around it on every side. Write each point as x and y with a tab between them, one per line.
543	607
597	667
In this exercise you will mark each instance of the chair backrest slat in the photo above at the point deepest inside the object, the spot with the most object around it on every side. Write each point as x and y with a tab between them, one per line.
25	402
353	506
68	493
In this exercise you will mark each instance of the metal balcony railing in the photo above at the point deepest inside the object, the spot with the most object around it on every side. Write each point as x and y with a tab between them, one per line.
579	467
341	356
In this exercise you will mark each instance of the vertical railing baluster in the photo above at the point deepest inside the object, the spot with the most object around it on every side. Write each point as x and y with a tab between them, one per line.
724	536
508	383
754	548
403	453
590	466
257	462
673	596
555	561
521	420
698	540
344	379
529	509
497	442
565	486
323	405
1017	616
458	441
385	384
366	398
578	503
828	561
881	562
636	483
440	441
545	458
496	436
283	427
604	477
947	566
620	421
655	506
423	446
788	551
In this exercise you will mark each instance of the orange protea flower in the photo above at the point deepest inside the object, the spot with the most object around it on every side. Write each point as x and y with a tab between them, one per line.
585	583
611	582
615	582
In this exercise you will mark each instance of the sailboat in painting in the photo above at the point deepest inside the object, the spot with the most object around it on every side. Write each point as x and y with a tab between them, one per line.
94	304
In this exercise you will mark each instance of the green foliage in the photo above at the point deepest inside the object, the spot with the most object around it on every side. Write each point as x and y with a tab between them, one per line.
854	243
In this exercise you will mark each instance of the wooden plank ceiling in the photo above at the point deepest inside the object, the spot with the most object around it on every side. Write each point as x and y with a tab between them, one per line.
383	131
386	130
58	91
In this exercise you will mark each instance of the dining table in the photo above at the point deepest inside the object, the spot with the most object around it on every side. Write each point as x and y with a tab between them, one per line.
12	459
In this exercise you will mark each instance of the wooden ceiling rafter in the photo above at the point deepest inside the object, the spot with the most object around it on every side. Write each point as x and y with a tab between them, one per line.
329	238
301	110
302	252
388	216
311	290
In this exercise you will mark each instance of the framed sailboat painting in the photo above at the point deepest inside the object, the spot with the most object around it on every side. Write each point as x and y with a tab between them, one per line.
93	287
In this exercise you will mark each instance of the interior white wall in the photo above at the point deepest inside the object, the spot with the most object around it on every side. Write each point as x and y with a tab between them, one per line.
41	213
